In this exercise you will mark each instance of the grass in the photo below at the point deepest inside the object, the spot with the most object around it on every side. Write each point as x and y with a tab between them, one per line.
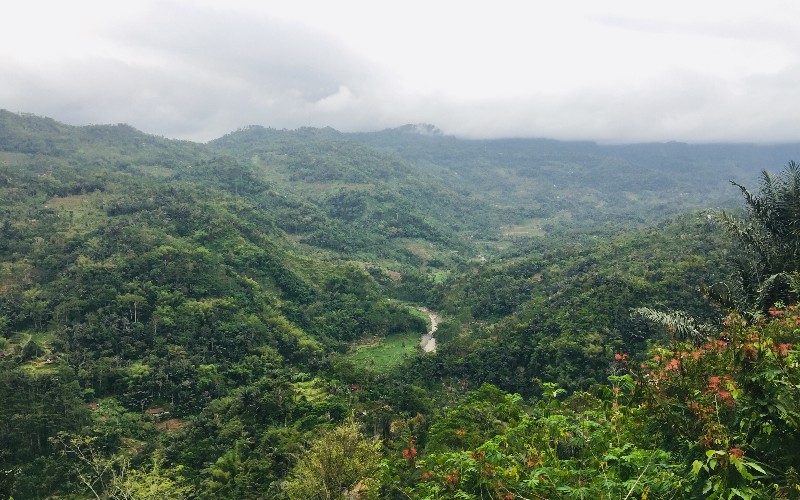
156	171
440	276
531	228
385	353
312	390
40	365
81	210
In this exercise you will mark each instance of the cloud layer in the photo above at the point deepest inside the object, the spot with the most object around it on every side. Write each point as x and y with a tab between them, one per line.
197	71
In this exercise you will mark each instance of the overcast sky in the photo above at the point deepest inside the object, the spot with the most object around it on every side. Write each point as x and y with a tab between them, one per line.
611	71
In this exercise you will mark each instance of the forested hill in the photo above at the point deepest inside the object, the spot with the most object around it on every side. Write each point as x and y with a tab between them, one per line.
242	318
582	184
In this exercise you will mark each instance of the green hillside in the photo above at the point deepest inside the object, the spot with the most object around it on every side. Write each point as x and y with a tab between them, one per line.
539	186
242	318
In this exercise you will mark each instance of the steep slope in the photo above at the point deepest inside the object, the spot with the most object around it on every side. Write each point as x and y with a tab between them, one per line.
366	198
127	285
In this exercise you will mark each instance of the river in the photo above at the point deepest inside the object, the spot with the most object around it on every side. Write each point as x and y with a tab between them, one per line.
428	341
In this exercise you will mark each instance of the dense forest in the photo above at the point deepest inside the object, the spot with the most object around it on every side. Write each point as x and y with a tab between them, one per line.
243	318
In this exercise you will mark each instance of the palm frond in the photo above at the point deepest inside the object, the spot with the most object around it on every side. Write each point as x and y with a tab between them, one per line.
679	323
770	238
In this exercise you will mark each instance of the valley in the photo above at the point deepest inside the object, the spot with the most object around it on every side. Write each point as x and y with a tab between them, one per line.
447	318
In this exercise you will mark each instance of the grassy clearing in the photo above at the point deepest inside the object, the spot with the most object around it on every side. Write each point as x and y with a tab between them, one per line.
532	228
40	368
156	171
440	276
423	249
20	338
385	353
41	364
81	210
11	159
312	390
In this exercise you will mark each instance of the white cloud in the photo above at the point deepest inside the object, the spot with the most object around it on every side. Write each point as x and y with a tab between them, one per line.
610	71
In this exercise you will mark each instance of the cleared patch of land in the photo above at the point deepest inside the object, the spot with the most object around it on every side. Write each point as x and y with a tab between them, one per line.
386	352
82	210
532	228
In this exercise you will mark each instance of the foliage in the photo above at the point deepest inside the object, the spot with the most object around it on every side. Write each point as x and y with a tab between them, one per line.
572	307
176	318
719	420
770	241
733	404
340	464
583	447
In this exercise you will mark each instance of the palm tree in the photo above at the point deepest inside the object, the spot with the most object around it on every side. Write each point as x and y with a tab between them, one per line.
769	264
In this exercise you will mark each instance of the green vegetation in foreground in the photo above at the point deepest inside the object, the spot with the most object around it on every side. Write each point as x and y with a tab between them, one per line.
385	353
174	318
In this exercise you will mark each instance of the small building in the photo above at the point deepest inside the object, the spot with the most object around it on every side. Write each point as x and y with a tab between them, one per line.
156	412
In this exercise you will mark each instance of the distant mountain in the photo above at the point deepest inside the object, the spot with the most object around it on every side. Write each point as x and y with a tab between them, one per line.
549	184
420	129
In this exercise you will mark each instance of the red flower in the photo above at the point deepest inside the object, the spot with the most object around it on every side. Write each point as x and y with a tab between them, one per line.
452	478
410	453
736	452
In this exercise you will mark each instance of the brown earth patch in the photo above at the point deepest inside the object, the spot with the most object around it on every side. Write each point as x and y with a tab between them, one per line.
171	425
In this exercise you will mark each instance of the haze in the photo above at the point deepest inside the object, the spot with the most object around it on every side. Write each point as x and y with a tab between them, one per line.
603	71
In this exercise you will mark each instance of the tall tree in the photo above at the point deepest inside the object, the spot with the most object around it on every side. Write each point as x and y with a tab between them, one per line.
340	464
769	265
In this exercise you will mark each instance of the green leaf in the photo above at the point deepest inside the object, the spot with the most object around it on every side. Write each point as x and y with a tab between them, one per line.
741	494
740	466
755	466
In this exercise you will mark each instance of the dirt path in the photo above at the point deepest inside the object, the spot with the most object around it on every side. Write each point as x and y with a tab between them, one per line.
428	342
